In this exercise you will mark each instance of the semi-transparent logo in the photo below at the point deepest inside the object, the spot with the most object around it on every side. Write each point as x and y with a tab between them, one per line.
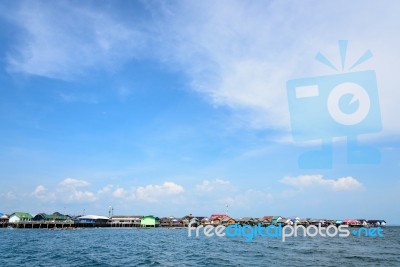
343	104
249	232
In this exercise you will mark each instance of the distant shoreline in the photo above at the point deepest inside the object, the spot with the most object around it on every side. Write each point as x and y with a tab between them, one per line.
72	226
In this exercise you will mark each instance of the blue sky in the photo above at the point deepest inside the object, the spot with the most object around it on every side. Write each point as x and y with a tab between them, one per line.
177	107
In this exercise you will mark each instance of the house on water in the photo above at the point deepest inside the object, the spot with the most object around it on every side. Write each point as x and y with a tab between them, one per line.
55	217
149	221
205	221
92	220
3	218
376	222
216	219
228	221
246	221
272	219
126	221
17	217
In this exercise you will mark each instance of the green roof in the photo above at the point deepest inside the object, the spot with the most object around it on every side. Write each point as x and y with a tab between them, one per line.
22	215
149	216
56	216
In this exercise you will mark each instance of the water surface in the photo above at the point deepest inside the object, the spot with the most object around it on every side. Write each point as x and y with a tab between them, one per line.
172	247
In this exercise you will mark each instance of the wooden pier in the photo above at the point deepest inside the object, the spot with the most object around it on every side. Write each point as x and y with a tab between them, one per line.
37	225
65	225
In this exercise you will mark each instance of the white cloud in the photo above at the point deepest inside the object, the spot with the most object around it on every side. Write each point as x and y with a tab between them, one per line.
240	54
205	196
70	182
231	56
119	192
80	196
39	190
42	193
154	193
64	40
69	191
209	186
341	184
105	189
346	183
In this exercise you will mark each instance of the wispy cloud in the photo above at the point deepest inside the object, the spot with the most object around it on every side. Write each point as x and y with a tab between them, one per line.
307	181
68	97
10	195
71	182
64	41
240	54
207	186
231	52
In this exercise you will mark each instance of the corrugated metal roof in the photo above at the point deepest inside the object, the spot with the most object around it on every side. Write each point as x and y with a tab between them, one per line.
22	215
93	217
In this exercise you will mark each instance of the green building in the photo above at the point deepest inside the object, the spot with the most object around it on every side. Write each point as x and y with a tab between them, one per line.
149	221
17	217
55	217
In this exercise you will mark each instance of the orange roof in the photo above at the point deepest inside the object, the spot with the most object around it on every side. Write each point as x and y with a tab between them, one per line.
217	216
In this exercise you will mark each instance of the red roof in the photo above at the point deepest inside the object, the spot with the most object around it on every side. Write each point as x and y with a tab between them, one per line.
349	221
268	218
217	216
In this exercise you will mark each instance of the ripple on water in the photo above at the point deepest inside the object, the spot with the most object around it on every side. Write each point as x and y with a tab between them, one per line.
172	247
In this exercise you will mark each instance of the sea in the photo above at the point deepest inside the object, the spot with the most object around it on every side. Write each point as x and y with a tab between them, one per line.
173	247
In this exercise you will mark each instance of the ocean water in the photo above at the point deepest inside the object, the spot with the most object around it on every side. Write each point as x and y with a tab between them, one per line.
173	247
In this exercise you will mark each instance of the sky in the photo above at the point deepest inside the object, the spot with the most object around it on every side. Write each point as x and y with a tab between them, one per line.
179	107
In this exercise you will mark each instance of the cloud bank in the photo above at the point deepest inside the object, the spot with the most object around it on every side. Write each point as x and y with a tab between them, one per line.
340	184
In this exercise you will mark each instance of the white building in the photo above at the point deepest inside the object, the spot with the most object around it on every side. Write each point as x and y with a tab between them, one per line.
17	217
